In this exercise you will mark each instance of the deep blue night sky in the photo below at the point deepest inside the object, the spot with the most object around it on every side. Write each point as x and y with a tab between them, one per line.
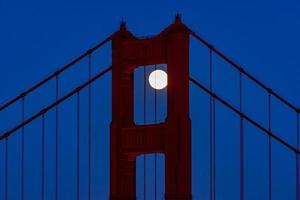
38	37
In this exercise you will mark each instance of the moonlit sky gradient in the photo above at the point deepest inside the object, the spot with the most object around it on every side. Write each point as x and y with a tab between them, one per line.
38	37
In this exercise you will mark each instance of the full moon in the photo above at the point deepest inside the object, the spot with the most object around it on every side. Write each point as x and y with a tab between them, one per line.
158	79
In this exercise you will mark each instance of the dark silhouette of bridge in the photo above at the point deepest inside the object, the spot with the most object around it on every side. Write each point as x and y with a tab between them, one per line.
171	137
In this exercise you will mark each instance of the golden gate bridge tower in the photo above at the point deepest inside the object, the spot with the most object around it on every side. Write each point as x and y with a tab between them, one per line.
172	137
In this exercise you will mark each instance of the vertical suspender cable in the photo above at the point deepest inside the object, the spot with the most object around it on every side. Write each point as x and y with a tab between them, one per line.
89	128
211	125
212	130
270	146
214	148
78	148
23	147
241	139
56	139
155	155
297	160
145	120
43	160
214	140
6	170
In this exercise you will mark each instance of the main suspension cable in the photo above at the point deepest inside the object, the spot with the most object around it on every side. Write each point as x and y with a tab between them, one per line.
247	74
249	119
74	91
57	72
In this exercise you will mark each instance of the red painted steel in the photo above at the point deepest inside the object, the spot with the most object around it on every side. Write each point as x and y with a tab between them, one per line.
172	137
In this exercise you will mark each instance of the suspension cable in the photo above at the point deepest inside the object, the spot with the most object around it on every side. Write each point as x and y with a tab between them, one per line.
54	105
89	127
78	147
56	73
145	121
214	148
22	147
211	129
270	146
297	159
6	170
56	138
43	160
241	138
74	91
247	74
249	119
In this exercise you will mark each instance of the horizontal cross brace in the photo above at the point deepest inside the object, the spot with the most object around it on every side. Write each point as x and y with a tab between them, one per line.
144	139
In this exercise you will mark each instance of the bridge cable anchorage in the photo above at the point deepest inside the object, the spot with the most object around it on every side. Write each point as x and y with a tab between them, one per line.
270	144
43	159
297	158
22	146
249	119
56	136
89	127
145	121
56	73
241	137
247	74
78	147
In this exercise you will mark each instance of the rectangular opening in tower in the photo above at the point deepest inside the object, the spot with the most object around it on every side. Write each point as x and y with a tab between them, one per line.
150	94
150	176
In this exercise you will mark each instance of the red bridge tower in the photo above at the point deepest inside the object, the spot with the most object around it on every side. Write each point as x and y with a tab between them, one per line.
173	137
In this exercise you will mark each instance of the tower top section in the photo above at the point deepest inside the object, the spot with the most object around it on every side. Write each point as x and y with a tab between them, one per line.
178	18
177	25
123	26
